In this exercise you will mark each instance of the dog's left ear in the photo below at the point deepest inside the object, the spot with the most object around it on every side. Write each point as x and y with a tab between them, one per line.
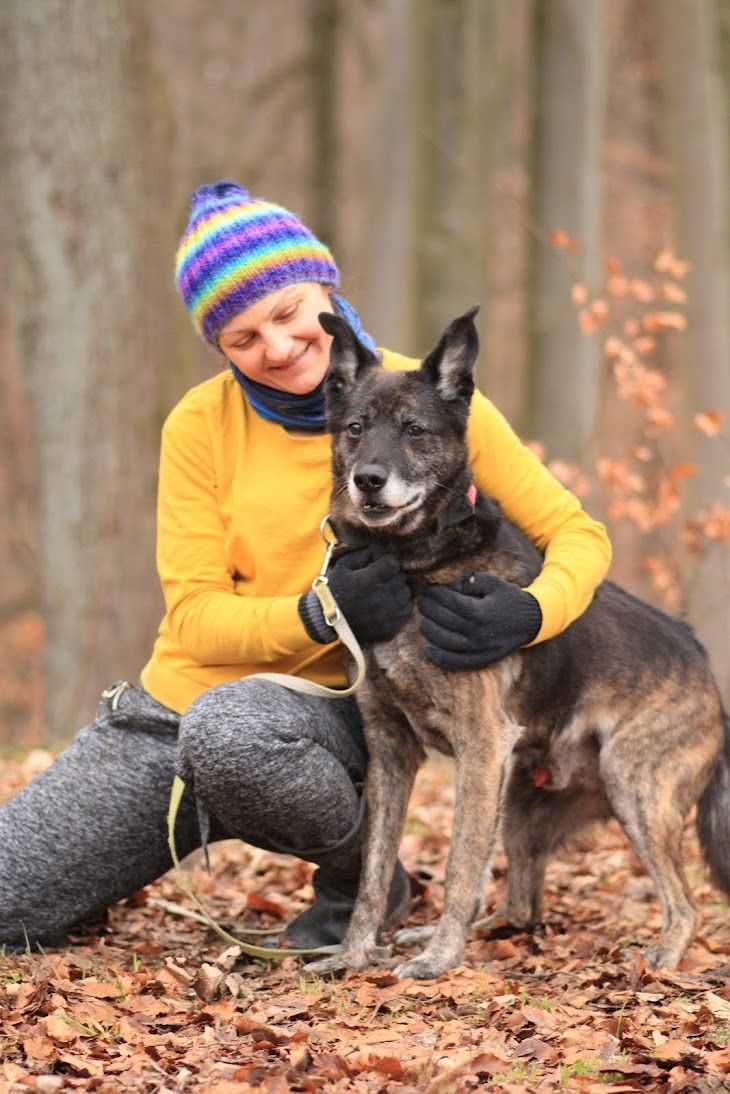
348	356
450	367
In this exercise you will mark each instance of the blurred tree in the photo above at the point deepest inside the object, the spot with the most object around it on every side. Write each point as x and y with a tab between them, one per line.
570	101
697	87
435	144
86	144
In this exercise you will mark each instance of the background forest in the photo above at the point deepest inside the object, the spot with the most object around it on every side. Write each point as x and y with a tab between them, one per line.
566	163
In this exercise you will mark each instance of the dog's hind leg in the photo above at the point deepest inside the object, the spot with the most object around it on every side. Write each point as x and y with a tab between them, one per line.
536	822
651	798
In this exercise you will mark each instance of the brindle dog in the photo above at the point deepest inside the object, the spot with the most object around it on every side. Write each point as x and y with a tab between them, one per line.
618	716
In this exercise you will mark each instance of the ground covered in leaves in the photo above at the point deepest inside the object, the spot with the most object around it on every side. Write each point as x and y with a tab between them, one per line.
153	1001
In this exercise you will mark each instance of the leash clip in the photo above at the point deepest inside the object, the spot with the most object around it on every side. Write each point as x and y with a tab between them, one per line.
321	585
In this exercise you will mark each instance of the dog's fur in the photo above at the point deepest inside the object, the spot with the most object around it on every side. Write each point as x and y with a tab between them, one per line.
618	716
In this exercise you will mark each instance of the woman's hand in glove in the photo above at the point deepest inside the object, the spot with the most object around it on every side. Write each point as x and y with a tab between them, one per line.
476	621
371	591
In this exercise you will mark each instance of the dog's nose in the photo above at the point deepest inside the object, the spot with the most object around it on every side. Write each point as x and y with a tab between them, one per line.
370	478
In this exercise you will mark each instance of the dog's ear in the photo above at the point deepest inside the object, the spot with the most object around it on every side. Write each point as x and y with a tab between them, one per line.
349	358
450	366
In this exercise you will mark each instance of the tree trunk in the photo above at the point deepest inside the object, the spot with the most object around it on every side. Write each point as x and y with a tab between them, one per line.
570	102
697	92
90	322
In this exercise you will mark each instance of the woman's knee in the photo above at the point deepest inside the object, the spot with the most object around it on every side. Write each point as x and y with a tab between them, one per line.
264	761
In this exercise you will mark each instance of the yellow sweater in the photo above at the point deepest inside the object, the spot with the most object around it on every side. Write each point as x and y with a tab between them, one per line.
239	507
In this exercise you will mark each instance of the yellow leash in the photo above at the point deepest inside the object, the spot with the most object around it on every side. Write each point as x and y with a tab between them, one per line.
335	619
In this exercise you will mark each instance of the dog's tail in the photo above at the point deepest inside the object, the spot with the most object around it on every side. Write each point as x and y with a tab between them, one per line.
713	816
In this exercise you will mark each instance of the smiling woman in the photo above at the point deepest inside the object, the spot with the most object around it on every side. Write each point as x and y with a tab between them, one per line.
245	479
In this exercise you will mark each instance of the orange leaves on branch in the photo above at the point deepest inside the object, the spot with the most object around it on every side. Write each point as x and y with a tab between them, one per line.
564	242
642	290
666	262
571	476
665	579
673	292
664	320
618	476
712	524
710	422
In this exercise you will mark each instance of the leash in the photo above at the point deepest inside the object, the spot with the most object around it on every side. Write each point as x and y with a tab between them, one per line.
334	617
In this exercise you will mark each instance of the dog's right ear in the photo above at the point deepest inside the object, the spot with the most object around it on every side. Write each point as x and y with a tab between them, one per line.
349	358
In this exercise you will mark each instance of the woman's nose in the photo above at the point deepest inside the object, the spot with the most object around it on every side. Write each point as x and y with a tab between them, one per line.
278	345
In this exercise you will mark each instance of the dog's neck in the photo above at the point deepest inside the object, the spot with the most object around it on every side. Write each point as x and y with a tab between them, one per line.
464	524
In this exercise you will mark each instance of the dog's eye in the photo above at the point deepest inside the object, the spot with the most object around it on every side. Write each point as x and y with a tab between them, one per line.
354	429
413	429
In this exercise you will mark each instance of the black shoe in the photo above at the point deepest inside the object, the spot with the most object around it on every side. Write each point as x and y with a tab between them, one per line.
325	922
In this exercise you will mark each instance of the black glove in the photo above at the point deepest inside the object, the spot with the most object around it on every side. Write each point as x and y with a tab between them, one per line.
371	591
477	620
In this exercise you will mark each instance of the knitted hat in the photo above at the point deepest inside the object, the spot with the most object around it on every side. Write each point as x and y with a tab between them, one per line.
236	249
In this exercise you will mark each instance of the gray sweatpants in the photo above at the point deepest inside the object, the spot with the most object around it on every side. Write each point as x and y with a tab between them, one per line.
279	770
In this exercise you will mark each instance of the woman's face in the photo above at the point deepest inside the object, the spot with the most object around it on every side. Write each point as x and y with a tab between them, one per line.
278	340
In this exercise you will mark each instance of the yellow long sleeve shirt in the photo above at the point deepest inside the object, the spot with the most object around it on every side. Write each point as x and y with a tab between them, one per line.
239	507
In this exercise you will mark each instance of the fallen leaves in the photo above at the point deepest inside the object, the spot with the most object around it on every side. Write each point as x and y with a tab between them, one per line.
155	1003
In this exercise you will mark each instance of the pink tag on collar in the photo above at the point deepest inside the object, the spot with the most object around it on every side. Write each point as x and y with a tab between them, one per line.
471	495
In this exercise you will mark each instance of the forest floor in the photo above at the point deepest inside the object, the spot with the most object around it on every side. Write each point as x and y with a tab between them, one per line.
154	1001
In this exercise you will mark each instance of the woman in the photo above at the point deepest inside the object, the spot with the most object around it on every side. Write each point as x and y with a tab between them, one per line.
244	483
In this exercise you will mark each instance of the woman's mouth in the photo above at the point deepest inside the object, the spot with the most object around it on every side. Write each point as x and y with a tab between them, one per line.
292	362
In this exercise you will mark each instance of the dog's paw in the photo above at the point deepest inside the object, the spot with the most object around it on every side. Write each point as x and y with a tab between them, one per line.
661	957
424	967
355	959
413	936
500	920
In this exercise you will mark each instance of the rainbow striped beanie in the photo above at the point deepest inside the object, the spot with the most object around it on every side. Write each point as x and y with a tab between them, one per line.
236	249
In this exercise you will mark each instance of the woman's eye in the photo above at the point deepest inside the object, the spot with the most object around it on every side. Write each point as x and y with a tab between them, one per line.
289	313
413	429
354	429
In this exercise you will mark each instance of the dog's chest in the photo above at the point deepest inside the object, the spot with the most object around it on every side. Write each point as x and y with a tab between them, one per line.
400	674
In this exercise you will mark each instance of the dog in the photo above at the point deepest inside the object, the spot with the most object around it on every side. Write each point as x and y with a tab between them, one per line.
617	716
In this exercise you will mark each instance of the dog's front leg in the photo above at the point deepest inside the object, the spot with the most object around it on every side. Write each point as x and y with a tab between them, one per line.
478	769
395	757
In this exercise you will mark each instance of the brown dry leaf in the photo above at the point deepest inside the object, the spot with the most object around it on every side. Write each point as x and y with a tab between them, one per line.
710	422
675	1049
38	1047
207	981
385	1065
263	904
49	1084
13	1073
228	958
97	989
59	1027
83	1064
